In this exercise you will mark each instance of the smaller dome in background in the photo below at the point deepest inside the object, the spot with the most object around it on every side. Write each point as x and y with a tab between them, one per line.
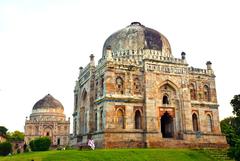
48	102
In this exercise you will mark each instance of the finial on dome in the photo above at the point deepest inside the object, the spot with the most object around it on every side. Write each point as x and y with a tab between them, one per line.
136	23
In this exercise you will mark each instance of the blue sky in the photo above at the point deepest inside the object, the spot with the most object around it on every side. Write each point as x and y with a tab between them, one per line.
43	43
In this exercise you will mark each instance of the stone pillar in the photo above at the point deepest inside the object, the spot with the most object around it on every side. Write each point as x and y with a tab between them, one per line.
92	62
80	71
209	68
186	110
209	65
174	127
183	55
98	119
160	126
109	54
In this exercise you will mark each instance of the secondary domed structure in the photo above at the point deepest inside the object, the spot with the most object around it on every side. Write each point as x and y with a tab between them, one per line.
48	119
136	37
46	108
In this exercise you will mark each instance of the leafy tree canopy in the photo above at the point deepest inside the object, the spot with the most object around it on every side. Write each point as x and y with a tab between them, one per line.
15	136
3	130
235	102
231	128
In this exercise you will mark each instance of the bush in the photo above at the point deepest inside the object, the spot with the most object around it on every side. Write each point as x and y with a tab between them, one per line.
59	148
40	144
18	151
26	150
234	152
68	147
5	148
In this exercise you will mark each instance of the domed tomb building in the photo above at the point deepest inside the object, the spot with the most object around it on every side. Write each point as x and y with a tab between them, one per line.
48	119
140	95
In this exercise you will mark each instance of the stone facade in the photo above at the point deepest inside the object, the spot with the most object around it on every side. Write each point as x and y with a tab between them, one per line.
48	119
139	95
2	139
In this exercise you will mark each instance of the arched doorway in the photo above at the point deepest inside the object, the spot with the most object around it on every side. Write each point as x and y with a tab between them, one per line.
58	141
195	122
167	125
120	117
137	119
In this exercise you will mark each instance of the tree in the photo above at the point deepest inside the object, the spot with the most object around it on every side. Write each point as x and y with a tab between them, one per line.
231	128
235	102
15	136
228	130
234	152
3	131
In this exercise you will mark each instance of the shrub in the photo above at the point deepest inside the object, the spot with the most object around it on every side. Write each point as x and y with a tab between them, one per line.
5	148
68	147
18	151
59	148
26	150
40	144
234	152
31	144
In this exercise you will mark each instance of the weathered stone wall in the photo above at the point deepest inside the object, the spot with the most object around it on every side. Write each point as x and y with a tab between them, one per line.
119	91
54	129
2	139
144	96
49	122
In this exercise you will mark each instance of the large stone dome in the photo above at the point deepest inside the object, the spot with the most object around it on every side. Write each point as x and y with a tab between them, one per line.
48	102
137	37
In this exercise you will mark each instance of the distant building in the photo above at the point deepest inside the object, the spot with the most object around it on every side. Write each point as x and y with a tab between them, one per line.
2	138
140	95
48	119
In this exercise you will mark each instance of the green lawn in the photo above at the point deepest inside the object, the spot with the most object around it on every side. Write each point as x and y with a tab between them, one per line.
113	155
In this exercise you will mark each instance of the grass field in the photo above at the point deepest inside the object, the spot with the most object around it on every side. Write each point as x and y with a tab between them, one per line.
113	155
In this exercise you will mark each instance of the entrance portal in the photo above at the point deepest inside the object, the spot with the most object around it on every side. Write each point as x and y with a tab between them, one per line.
167	125
58	141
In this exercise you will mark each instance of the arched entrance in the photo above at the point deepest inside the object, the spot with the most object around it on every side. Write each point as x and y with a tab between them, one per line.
58	141
137	119
195	122
167	125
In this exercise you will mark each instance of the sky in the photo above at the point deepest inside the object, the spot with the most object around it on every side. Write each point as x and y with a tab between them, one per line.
44	42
